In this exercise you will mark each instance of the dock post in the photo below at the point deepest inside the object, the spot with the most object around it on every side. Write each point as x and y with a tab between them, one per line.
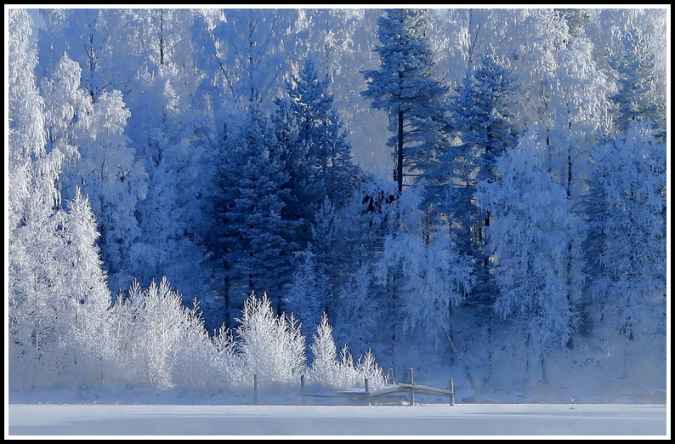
367	391
452	392
302	389
255	389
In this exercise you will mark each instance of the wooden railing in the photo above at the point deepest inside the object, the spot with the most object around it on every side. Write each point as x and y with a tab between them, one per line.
405	387
369	396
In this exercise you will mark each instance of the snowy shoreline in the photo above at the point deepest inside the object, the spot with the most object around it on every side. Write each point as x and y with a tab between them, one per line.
437	420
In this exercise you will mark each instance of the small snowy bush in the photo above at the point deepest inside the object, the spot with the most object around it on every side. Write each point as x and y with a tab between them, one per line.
272	347
326	370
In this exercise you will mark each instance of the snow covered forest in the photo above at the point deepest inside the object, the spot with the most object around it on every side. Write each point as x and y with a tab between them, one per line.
197	196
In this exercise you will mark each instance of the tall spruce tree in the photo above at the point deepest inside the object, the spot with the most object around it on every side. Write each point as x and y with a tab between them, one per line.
321	131
637	97
317	155
480	115
253	234
405	88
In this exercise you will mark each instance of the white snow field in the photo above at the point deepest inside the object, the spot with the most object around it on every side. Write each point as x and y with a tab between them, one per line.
133	410
286	420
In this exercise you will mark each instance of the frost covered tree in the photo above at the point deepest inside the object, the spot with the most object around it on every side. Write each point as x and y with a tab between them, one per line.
26	138
532	231
571	98
328	369
405	88
324	353
180	173
92	38
480	114
309	290
36	220
430	276
158	339
54	277
321	132
249	49
87	297
637	97
272	346
349	243
103	165
629	280
253	235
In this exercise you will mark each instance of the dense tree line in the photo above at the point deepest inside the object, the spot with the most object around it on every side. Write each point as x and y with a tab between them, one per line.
225	151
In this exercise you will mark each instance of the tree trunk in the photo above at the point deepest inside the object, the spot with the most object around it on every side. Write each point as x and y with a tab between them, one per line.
625	358
465	367
227	303
399	166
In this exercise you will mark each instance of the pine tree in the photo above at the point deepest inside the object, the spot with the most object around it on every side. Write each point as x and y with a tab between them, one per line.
87	295
309	290
318	157
324	369
254	237
637	97
320	130
480	114
405	88
302	187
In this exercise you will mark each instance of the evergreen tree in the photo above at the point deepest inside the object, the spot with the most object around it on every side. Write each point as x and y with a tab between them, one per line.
87	295
320	130
405	88
253	233
480	114
309	291
637	97
318	157
302	189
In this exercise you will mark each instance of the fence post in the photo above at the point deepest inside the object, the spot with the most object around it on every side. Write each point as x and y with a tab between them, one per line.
452	392
411	380
302	388
255	389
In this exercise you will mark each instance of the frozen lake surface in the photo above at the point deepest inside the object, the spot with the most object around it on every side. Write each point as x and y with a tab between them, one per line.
284	420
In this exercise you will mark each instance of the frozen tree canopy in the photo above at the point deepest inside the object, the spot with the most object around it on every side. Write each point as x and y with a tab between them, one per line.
197	196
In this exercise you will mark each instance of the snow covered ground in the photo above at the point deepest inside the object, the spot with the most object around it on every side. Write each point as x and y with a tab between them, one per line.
137	411
513	404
